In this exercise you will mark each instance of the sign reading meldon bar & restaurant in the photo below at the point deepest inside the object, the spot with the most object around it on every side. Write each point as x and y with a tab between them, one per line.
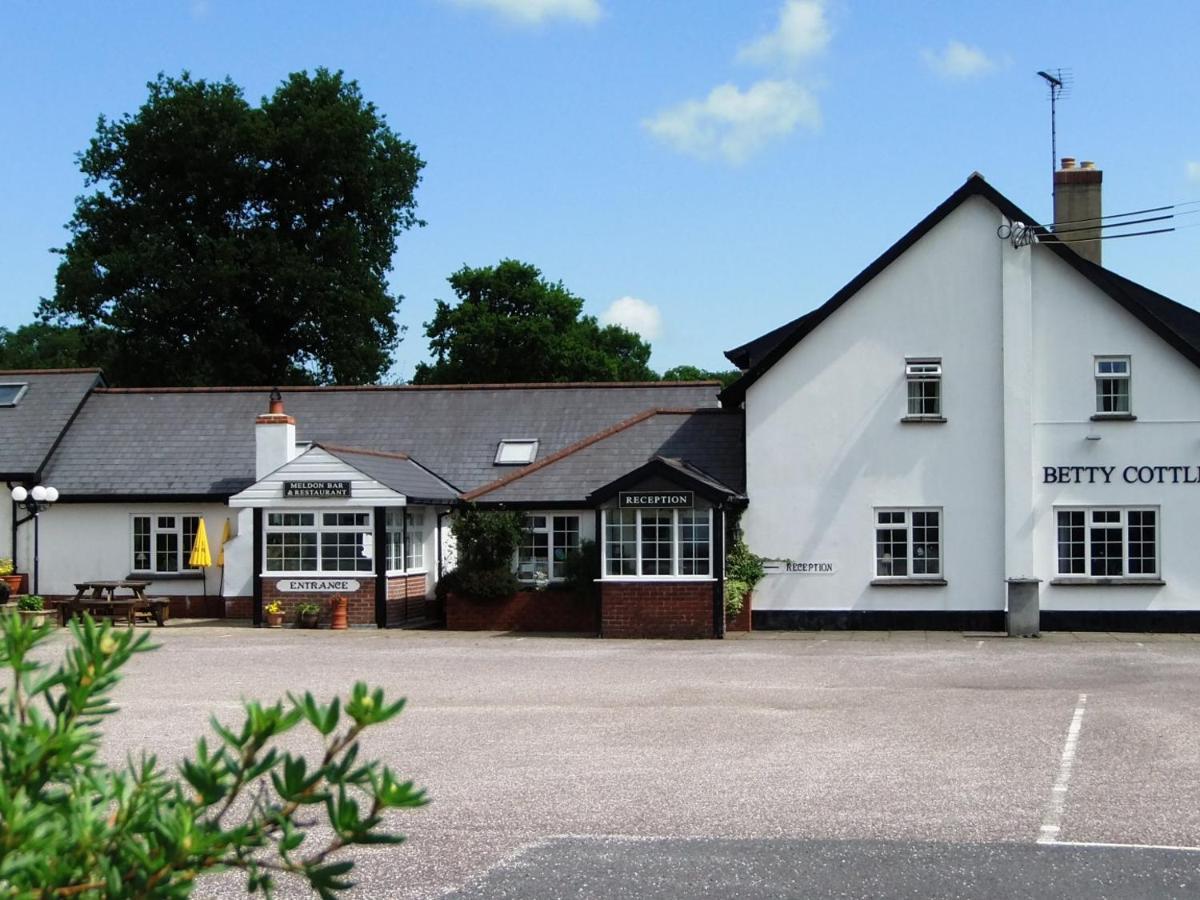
316	489
669	499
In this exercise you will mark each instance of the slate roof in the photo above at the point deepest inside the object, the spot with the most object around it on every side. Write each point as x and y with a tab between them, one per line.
397	471
1175	323
200	443
711	441
29	430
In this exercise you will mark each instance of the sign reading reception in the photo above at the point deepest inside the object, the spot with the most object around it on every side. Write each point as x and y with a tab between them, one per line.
316	489
792	567
317	585
659	499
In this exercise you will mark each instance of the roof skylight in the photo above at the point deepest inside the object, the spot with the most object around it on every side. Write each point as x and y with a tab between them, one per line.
516	452
12	392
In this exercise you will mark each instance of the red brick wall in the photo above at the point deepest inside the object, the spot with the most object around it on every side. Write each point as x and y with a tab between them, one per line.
524	611
740	622
656	609
361	608
399	589
239	607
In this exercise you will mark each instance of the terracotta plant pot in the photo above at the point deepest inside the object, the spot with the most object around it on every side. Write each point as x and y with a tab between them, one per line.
339	617
273	620
15	582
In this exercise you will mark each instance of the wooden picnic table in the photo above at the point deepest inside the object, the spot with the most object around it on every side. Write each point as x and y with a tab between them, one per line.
101	599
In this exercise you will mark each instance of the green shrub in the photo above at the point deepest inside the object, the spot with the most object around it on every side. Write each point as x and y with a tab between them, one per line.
70	826
735	596
581	567
742	565
308	609
479	584
31	603
486	539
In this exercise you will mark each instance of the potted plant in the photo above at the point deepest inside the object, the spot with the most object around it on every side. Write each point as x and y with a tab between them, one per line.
273	612
33	608
308	615
339	617
10	577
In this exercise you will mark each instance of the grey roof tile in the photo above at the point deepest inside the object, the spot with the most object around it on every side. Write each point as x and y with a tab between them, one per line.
29	429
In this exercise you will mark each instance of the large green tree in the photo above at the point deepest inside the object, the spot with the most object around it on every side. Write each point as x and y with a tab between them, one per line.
511	325
44	345
228	243
695	373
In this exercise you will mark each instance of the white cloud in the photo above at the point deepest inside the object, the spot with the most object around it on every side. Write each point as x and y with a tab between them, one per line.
1193	171
802	32
959	60
534	12
635	315
734	124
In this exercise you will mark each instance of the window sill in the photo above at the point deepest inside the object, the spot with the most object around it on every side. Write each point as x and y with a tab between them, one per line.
165	576
901	581
1114	417
401	573
1108	582
635	579
923	420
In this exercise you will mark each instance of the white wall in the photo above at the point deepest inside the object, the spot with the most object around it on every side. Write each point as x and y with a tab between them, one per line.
1074	322
94	541
825	444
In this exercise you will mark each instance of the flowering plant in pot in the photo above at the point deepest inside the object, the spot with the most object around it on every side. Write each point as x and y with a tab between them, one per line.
273	613
308	615
32	607
10	576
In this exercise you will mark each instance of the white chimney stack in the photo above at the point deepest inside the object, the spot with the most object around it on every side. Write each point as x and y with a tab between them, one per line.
274	438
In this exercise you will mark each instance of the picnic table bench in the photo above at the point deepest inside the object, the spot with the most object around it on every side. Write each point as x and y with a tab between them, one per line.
100	599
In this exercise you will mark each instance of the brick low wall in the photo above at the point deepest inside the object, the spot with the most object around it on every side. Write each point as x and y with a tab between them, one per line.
556	611
361	607
407	600
656	609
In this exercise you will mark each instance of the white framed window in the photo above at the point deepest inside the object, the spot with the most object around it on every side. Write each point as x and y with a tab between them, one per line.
924	381
516	452
545	545
1108	542
1112	386
340	541
908	543
657	543
11	392
406	539
163	542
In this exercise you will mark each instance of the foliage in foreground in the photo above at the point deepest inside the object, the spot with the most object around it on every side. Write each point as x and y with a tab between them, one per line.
70	826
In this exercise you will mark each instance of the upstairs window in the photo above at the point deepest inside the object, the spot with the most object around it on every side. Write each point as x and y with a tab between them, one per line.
516	452
12	392
924	378
1112	386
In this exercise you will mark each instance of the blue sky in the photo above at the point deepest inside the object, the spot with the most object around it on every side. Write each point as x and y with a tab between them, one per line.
727	165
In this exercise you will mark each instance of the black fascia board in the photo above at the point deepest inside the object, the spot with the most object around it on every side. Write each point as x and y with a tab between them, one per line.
1135	298
144	498
658	467
581	503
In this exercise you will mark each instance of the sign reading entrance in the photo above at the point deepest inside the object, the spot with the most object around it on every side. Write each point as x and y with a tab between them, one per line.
660	499
317	585
316	489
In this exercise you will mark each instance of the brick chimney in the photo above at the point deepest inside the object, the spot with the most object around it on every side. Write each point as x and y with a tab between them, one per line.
1077	206
274	437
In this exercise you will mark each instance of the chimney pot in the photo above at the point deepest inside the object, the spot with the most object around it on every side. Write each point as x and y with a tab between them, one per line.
276	406
1087	164
1068	162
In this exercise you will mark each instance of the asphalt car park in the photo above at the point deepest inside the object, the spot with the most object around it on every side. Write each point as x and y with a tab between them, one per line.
804	764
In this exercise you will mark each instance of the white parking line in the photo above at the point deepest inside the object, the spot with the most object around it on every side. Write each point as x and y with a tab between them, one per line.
978	645
1052	820
1108	846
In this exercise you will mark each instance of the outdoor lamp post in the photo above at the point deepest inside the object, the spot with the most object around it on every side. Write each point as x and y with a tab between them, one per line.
36	500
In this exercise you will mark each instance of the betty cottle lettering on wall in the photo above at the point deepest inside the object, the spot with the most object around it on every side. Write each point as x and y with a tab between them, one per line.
316	489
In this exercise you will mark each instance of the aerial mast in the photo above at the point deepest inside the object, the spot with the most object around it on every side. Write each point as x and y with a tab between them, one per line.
1058	82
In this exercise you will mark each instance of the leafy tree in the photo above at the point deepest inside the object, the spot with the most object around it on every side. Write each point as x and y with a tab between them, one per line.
226	243
511	325
72	827
694	373
43	345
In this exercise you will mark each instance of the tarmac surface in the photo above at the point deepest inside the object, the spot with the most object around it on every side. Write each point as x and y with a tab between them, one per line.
819	764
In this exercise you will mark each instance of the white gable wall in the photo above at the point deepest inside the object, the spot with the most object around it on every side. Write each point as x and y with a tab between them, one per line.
825	444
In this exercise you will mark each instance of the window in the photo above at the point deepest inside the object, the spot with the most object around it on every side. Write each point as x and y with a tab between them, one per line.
1112	386
163	543
341	542
658	543
1108	543
908	543
405	539
516	452
12	392
924	378
545	545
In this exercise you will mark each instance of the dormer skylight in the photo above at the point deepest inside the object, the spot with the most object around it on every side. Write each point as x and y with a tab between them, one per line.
12	392
516	452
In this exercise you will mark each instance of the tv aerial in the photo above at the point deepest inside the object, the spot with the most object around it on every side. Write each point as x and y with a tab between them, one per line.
1059	81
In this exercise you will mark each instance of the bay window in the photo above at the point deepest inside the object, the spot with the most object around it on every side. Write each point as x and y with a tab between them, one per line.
1112	542
163	543
657	543
340	541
